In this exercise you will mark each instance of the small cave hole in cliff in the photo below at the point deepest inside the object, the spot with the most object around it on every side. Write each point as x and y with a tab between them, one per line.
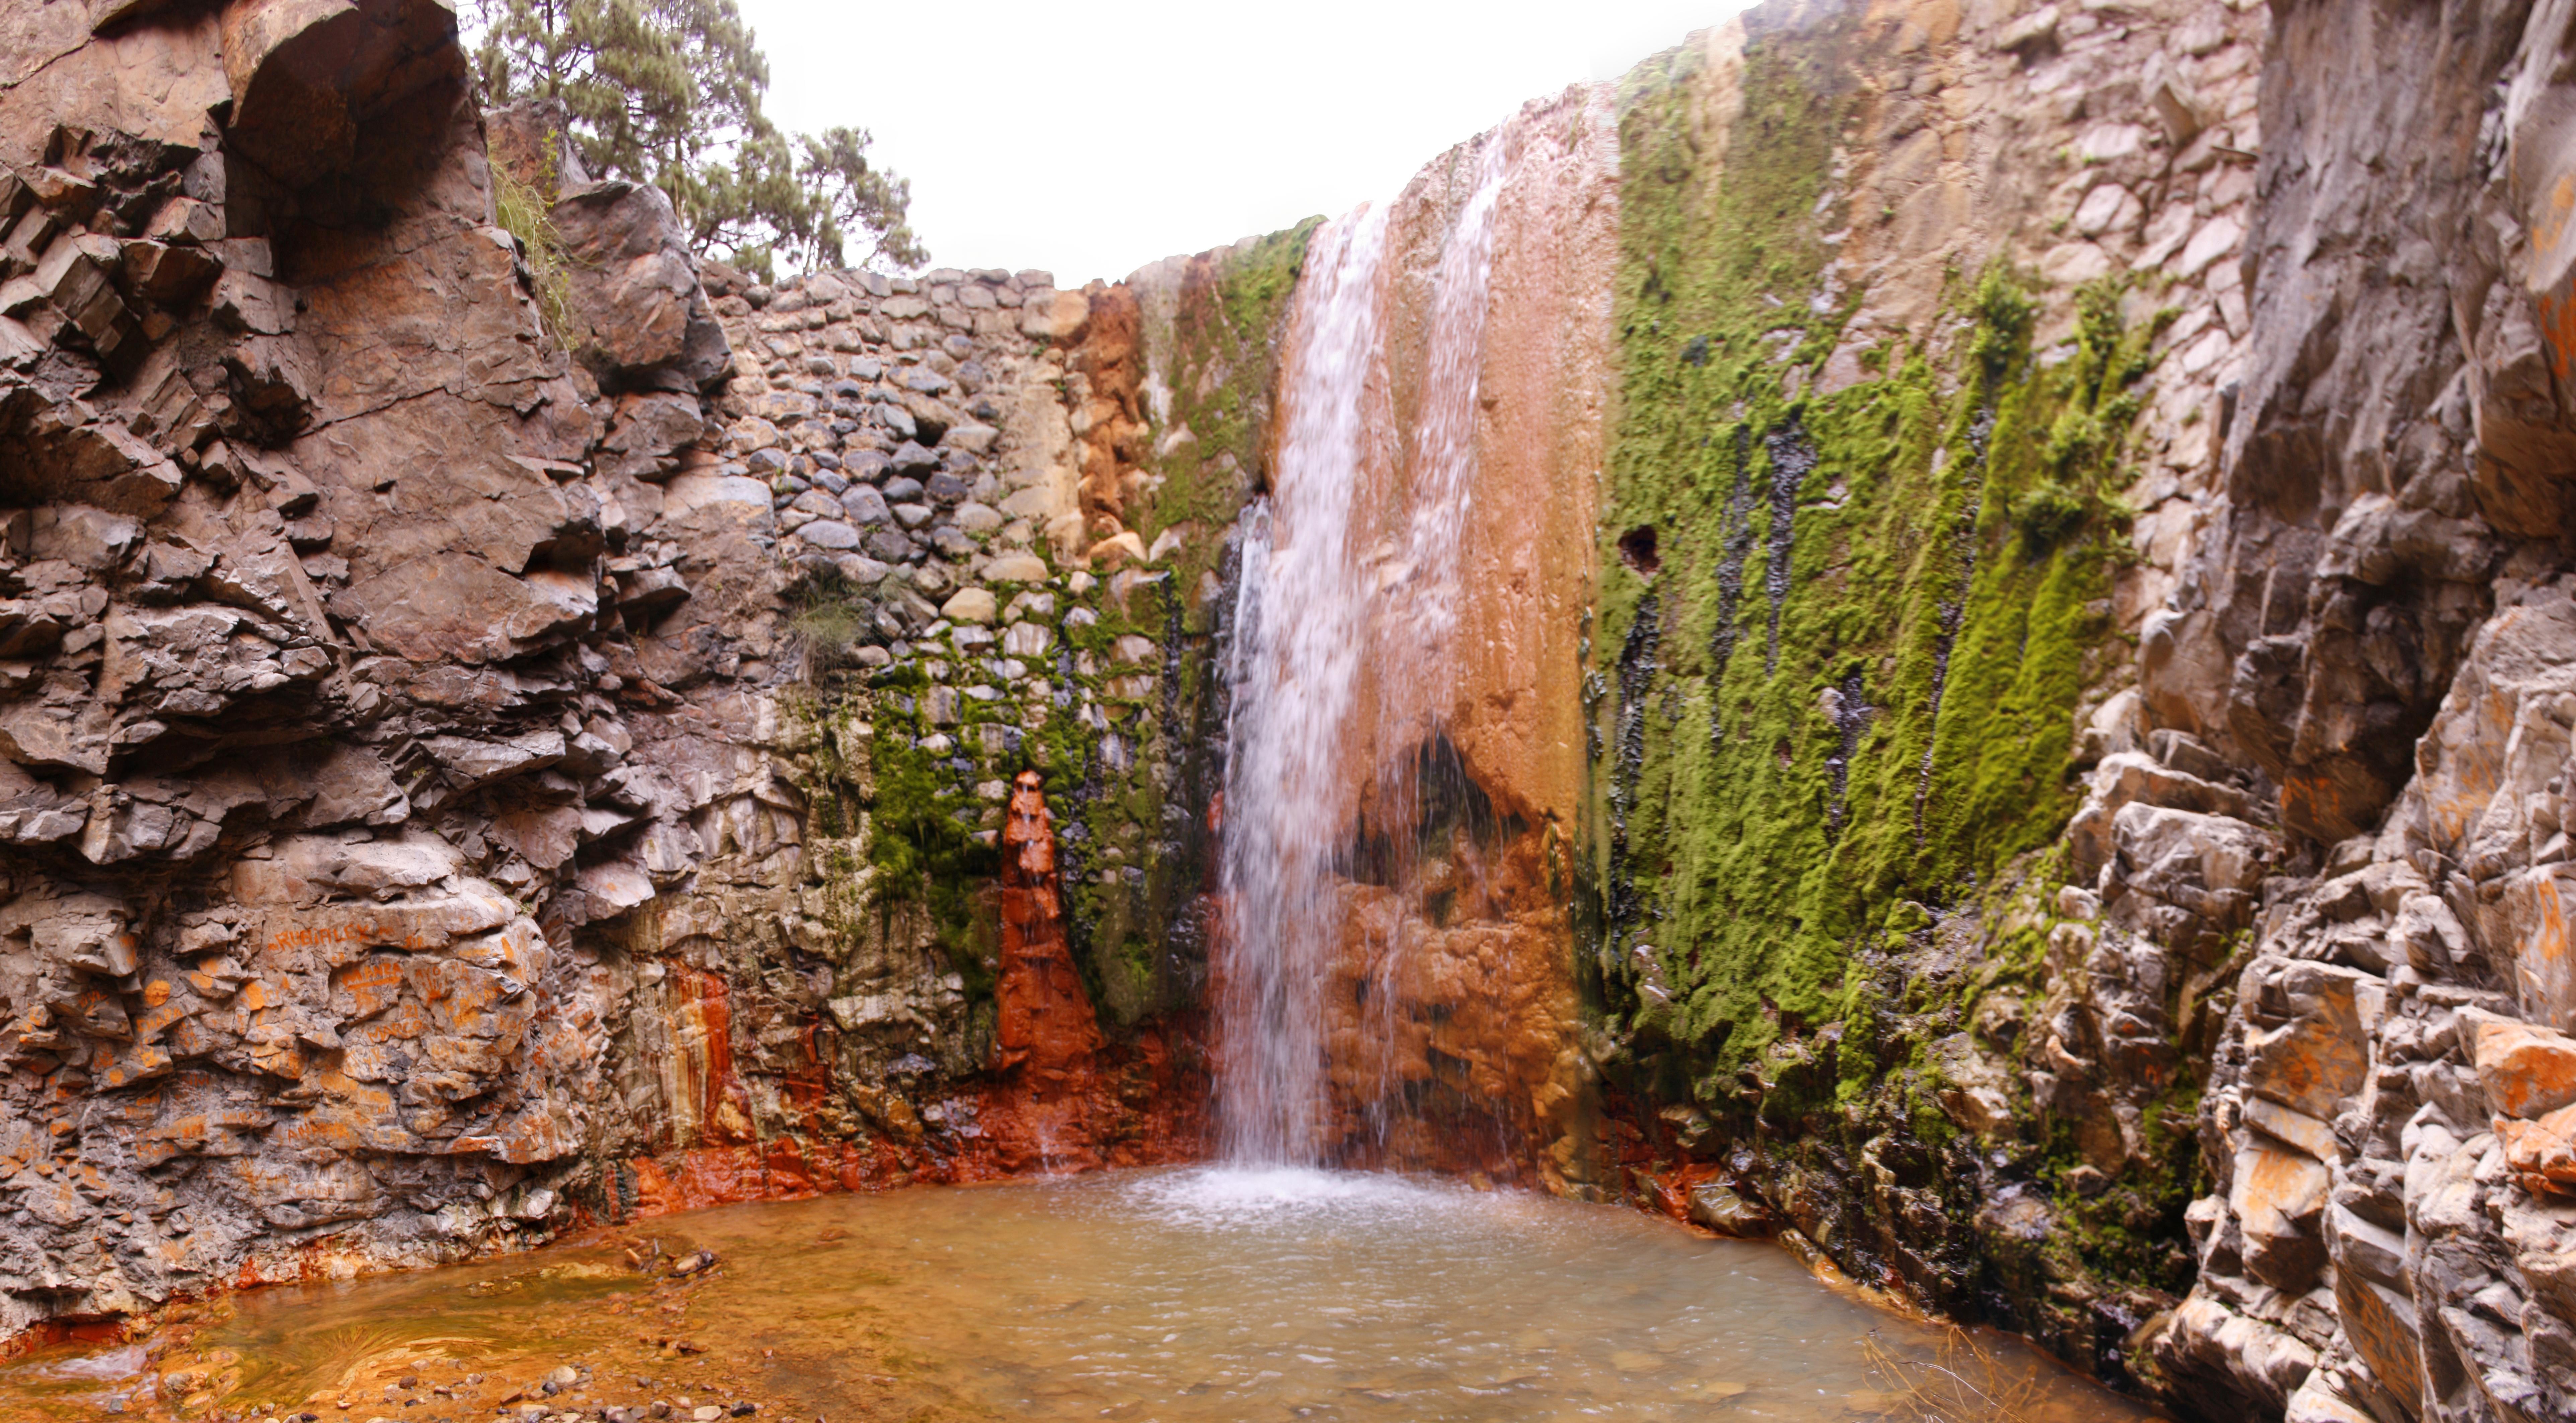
1637	550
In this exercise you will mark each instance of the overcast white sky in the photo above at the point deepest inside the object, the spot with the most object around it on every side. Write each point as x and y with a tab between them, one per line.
1092	137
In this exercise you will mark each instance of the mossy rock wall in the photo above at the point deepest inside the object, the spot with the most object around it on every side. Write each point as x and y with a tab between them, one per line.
1854	594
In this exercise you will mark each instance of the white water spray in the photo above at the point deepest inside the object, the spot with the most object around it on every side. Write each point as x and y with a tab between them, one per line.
1315	621
1295	658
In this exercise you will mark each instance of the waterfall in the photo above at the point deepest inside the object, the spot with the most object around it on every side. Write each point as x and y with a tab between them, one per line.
1418	592
1443	457
1341	650
1296	658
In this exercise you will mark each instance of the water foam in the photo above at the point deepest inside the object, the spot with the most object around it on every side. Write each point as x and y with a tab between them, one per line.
1224	1196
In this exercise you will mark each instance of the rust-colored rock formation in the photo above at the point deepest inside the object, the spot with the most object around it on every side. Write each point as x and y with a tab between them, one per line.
1060	1096
1450	1006
1049	1036
1049	1039
1109	421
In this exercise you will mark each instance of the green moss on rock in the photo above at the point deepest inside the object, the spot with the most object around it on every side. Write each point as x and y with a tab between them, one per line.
1853	584
1211	423
1872	605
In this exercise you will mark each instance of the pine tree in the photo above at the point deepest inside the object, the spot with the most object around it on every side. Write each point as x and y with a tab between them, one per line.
668	92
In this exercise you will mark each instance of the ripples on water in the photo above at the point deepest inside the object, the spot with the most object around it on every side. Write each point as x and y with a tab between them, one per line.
1176	1295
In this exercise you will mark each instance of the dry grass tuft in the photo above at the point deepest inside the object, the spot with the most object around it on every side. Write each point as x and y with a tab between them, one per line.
522	210
1964	1383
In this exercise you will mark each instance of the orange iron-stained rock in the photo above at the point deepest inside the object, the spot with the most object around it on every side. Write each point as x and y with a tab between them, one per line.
1049	1036
1048	1030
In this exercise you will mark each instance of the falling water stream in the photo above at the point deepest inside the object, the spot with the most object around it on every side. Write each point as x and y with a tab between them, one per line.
1296	662
1329	631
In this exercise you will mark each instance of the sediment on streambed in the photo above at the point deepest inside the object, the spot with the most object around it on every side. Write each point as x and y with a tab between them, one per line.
1934	629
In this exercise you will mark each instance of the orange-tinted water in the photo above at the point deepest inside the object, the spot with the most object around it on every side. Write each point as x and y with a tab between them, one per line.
1175	1295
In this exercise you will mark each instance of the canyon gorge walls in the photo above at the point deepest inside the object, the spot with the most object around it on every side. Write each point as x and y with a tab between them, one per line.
1937	628
2076	739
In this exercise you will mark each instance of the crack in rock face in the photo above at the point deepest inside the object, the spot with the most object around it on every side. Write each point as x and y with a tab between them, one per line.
1793	458
1737	546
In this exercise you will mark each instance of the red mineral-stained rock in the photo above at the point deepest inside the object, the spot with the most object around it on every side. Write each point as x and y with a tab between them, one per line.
1049	1036
2542	1153
2527	1070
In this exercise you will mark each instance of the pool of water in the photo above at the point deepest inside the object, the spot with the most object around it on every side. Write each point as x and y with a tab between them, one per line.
1195	1294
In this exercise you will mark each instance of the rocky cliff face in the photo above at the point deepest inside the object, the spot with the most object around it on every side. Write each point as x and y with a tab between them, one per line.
1922	312
2391	1192
273	381
2013	655
2078	793
435	811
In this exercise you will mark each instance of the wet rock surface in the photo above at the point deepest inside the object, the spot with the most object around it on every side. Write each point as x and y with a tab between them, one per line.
2239	1082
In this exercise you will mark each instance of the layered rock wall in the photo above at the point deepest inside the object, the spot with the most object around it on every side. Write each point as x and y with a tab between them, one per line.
2390	1200
304	562
2148	936
457	781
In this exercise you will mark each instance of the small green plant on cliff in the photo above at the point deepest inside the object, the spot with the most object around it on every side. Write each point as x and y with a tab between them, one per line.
2047	514
832	617
521	210
2004	313
829	629
2082	456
